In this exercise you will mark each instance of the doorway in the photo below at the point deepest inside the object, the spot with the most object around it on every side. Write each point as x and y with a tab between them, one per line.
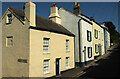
57	66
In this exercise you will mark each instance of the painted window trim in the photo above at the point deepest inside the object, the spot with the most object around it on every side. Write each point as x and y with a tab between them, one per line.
67	47
67	65
8	40
96	48
48	52
89	56
7	19
48	67
89	36
96	33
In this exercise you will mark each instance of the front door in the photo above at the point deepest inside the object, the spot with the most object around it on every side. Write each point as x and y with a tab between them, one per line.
57	66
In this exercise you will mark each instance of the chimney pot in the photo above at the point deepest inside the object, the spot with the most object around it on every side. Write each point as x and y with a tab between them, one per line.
54	5
78	4
77	9
54	15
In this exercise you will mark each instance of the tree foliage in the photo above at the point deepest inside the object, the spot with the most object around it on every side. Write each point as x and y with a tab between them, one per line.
114	35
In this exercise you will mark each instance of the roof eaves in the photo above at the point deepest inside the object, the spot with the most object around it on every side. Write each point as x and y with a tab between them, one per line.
98	24
16	15
36	28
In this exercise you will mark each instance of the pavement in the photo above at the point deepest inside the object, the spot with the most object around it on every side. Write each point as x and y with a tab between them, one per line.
90	71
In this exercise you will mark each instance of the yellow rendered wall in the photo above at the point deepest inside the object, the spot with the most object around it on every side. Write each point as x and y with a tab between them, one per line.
96	41
57	50
20	49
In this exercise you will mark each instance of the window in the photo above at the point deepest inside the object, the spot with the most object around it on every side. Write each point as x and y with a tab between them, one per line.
46	66
99	48
96	33
89	52
46	45
67	62
9	19
96	48
67	45
9	41
89	36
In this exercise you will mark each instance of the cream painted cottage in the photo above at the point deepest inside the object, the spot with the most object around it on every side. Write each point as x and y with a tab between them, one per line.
34	46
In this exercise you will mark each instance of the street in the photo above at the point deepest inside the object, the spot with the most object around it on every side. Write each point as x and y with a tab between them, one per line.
105	68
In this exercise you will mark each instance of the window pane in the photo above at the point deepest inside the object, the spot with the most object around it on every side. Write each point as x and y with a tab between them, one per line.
89	52
9	41
89	36
67	45
9	18
46	67
95	33
46	45
96	48
67	62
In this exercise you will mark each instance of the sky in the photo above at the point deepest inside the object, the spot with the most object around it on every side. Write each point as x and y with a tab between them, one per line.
102	11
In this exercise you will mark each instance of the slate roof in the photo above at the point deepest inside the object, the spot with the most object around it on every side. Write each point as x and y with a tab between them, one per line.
43	23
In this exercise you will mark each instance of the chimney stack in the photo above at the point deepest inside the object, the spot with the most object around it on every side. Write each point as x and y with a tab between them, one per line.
30	13
77	9
54	15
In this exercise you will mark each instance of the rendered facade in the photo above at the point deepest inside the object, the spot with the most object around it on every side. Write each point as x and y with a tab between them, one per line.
106	37
34	46
81	26
96	39
102	39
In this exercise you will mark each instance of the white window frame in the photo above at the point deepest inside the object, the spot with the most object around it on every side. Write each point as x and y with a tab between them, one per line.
67	45
67	60
89	52
46	66
9	20
89	36
9	41
96	48
96	33
46	45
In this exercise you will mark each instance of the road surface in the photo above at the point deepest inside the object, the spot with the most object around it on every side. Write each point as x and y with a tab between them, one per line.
105	68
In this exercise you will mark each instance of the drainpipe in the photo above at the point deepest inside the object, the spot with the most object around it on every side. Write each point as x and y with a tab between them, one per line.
79	38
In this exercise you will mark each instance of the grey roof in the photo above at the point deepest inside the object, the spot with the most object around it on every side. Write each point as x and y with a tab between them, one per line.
43	23
78	16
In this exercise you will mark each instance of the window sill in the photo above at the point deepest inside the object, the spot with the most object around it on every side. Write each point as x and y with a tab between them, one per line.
67	67
89	41
96	52
68	51
46	73
46	53
96	38
9	46
8	23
